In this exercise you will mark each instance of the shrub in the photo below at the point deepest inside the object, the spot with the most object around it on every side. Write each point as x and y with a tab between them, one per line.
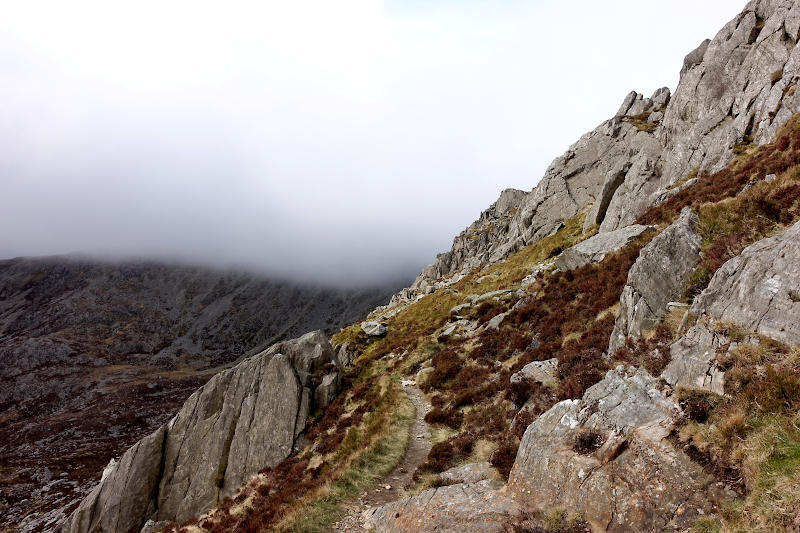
446	417
504	456
586	441
697	404
446	364
444	455
652	354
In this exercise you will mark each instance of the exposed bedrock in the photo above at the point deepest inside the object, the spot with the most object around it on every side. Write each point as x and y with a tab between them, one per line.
243	420
657	277
606	456
738	87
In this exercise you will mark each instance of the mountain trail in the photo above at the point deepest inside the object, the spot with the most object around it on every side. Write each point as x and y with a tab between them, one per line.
401	477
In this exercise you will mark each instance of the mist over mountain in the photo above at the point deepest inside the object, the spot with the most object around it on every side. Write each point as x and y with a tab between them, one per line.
327	142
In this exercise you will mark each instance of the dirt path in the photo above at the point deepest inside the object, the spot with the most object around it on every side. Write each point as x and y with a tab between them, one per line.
416	453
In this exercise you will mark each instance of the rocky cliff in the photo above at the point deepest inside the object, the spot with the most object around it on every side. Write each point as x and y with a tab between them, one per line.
735	89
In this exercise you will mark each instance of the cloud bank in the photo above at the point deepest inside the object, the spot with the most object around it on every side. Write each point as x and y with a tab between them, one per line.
329	141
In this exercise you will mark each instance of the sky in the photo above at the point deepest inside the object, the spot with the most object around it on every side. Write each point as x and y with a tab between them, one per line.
336	142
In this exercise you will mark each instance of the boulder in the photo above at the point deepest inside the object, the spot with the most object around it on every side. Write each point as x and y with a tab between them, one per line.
374	329
542	371
345	355
470	473
594	249
606	456
327	390
755	291
482	507
119	503
495	321
243	420
657	277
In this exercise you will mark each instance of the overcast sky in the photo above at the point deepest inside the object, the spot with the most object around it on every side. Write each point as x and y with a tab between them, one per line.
326	140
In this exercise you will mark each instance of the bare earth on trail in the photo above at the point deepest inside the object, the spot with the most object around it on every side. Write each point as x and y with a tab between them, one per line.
416	453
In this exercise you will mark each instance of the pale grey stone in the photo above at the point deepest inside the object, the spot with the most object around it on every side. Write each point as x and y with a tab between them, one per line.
495	321
692	363
632	480
327	390
120	502
594	249
542	371
374	329
482	507
657	277
759	289
470	473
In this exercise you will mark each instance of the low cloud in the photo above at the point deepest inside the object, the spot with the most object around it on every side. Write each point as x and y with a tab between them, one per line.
329	141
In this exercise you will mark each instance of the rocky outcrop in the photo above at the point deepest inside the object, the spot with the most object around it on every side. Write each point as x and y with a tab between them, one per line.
587	173
606	456
738	87
759	289
657	277
483	507
692	361
470	473
756	291
374	328
543	372
474	245
594	249
243	420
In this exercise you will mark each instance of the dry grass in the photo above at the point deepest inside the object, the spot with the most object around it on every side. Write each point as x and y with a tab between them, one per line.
751	437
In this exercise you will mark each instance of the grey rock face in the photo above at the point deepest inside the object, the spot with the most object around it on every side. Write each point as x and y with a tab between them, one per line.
483	507
91	351
735	85
656	278
594	249
473	245
495	321
759	289
110	506
692	362
756	291
470	473
606	456
738	85
374	329
244	419
542	371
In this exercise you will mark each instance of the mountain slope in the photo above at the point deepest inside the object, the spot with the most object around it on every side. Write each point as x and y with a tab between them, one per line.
94	356
646	379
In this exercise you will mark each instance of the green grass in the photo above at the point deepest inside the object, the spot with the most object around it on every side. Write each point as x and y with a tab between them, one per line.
641	123
319	514
755	431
